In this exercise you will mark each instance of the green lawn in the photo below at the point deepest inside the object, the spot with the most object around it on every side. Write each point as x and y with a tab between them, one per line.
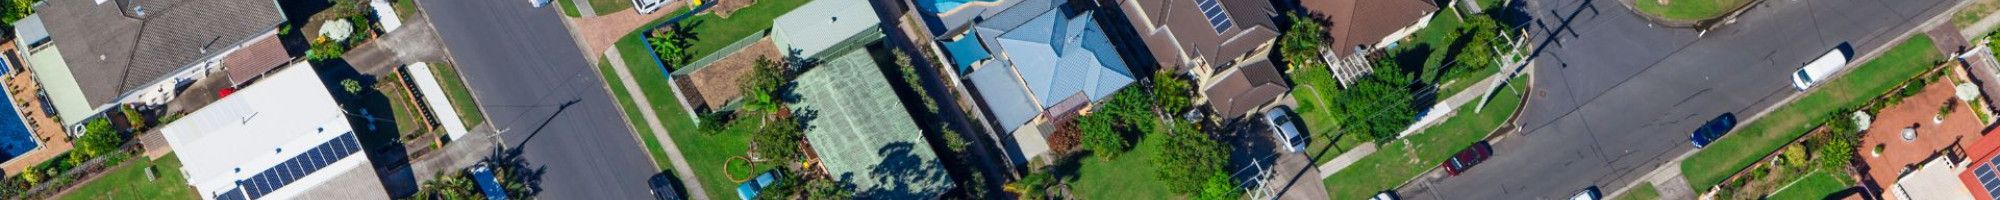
706	152
405	9
400	99
568	7
461	97
1971	13
1752	140
1401	160
713	32
604	7
1642	192
635	117
1128	177
1689	9
1814	186
128	181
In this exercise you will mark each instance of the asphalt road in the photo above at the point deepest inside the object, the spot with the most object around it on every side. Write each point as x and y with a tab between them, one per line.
1617	97
549	104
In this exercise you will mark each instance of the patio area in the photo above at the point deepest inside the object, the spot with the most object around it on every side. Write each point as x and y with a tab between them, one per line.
1900	151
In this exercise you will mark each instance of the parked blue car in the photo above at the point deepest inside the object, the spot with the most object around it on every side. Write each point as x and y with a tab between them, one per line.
1713	130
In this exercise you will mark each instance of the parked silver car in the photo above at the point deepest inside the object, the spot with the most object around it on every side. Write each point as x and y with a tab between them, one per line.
1284	129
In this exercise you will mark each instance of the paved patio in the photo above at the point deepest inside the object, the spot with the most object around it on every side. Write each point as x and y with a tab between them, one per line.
1916	111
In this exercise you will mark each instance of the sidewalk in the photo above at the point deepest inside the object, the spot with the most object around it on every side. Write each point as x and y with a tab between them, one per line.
681	167
1980	28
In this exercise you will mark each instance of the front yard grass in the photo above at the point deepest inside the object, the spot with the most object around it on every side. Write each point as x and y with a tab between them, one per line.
1754	139
128	181
706	152
1644	191
1399	161
461	97
1131	176
1690	10
1816	185
568	8
712	32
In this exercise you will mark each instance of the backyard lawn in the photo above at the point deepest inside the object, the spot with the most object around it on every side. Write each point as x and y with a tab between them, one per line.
461	97
1642	192
1754	139
128	181
1399	161
1817	185
1128	177
1689	9
706	153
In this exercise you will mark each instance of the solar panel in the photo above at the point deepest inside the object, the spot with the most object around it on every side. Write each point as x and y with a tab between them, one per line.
1217	17
305	163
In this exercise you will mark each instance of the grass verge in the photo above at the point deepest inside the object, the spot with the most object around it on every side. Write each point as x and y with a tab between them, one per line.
1972	13
607	6
1401	160
633	116
568	7
1691	10
706	152
1643	192
461	97
1754	139
128	181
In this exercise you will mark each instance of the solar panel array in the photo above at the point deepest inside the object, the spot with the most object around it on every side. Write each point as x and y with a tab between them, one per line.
1988	178
1217	18
291	170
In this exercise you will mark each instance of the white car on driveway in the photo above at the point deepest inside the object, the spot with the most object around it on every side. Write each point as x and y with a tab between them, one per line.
1284	129
648	6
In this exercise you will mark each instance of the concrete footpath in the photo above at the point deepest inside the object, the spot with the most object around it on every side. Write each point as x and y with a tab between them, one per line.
681	167
1440	112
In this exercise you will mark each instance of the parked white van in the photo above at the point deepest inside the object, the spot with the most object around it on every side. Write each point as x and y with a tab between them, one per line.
1818	70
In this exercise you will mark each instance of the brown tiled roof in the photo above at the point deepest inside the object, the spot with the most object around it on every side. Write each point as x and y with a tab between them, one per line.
1176	27
261	56
112	51
1251	86
1352	23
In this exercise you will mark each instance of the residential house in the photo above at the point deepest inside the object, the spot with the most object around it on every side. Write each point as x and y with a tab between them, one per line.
1354	28
1208	40
1047	66
103	53
283	137
854	123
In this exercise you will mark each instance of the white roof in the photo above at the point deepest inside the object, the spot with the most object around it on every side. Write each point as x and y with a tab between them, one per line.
62	88
440	106
820	25
256	128
1938	179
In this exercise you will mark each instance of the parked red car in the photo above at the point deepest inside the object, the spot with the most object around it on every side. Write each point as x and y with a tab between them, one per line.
1465	159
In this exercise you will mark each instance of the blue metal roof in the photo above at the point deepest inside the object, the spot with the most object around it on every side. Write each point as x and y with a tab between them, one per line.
1059	57
1004	96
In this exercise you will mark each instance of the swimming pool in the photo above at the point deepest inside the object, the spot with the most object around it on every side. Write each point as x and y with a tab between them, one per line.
14	136
940	6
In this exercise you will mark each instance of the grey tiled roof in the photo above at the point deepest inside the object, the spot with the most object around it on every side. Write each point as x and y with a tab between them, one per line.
112	49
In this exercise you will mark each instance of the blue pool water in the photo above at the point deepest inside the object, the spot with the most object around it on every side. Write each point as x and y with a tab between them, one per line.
940	6
14	136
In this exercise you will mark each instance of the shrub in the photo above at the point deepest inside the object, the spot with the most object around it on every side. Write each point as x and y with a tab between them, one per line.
1219	187
1191	159
779	140
1100	138
1794	155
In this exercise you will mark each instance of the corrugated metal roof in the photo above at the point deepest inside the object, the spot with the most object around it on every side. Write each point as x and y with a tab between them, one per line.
30	30
862	132
822	24
1058	57
1001	89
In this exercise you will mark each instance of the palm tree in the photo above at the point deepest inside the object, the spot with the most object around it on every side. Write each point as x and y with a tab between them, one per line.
448	187
1302	41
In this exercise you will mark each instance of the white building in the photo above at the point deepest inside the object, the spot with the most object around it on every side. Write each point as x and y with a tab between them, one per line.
282	137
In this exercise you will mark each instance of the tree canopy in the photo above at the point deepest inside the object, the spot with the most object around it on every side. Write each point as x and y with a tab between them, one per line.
1379	105
1302	41
1193	158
